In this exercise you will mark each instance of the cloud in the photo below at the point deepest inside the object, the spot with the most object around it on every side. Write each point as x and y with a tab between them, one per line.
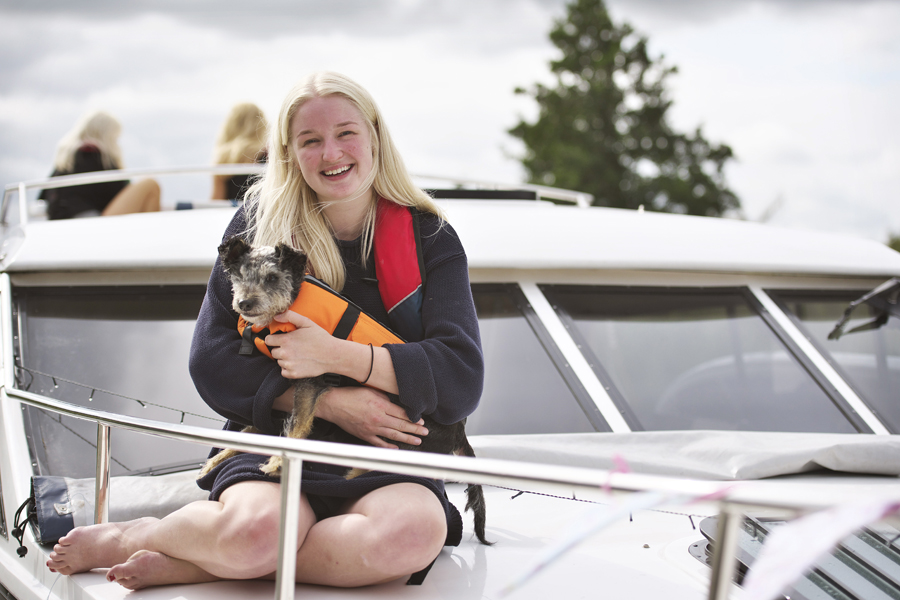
803	91
704	11
270	18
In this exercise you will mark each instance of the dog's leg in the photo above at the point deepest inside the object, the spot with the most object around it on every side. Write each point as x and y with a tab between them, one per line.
213	462
306	395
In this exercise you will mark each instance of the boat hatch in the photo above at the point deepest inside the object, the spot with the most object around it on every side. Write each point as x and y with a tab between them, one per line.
863	567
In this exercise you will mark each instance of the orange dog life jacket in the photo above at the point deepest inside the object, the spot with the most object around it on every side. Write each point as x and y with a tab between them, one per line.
332	312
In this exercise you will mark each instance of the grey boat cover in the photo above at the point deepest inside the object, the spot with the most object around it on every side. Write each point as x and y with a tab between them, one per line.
715	455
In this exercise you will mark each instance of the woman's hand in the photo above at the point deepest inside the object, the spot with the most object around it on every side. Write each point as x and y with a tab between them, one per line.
368	413
308	351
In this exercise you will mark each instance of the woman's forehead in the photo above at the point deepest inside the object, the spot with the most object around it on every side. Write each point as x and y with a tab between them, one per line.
324	113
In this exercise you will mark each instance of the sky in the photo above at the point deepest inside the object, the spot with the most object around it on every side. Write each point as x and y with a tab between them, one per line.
804	91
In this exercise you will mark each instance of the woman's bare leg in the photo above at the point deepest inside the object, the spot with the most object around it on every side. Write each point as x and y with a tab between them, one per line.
139	196
389	533
146	569
235	538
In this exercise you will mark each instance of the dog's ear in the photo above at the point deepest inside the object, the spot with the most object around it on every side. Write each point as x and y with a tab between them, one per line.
291	261
231	251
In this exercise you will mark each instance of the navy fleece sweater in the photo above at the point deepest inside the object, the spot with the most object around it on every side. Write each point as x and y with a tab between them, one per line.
441	376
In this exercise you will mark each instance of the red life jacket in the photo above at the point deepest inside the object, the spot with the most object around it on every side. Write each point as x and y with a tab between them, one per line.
400	271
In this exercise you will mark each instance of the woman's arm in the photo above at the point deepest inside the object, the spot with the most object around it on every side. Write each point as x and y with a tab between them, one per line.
219	190
309	351
443	375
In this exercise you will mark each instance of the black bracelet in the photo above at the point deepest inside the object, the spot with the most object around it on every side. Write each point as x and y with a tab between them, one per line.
371	365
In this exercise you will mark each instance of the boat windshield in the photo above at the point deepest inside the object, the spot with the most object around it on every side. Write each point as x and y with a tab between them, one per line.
524	389
677	358
869	360
125	349
117	349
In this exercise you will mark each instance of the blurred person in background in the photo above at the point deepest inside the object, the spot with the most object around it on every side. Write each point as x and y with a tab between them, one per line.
241	140
93	145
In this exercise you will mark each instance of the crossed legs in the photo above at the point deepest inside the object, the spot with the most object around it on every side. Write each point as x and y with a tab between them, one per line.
387	534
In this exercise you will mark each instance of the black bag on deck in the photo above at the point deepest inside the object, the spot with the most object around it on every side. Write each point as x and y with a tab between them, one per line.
48	510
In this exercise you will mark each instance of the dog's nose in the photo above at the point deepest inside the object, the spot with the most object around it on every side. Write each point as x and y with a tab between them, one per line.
246	304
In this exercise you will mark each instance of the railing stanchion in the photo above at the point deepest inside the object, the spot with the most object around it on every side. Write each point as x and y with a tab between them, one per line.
724	553
23	204
101	483
291	469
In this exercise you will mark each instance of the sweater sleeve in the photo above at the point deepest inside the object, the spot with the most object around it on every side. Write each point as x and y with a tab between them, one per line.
443	375
240	388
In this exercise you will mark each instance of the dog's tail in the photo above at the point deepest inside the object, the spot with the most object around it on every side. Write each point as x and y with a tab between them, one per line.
475	498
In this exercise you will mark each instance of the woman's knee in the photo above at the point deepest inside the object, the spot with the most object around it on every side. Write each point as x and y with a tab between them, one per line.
248	531
151	192
411	534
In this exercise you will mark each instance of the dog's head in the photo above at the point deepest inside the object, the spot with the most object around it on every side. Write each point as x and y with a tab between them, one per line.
265	280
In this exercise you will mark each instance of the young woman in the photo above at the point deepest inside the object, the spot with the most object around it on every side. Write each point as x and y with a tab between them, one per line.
241	140
93	145
331	159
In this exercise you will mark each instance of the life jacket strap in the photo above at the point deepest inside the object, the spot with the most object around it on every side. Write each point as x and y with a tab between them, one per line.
247	344
347	322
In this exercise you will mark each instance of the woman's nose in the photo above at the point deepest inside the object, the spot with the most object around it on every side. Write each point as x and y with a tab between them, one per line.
331	151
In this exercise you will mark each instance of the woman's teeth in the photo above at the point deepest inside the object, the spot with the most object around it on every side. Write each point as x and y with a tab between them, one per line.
337	171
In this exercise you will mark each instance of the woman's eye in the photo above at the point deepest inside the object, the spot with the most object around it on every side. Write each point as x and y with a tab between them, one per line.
308	142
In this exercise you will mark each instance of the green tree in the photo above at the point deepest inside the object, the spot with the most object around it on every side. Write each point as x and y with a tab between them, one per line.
603	128
894	241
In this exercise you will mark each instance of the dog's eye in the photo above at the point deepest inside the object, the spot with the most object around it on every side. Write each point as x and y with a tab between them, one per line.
271	278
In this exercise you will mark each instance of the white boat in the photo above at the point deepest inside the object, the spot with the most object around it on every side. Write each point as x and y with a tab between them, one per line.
668	374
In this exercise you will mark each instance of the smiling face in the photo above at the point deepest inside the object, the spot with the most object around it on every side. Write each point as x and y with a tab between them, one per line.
332	145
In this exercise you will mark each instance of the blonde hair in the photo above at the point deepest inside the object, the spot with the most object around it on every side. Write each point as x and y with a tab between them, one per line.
243	135
100	129
283	207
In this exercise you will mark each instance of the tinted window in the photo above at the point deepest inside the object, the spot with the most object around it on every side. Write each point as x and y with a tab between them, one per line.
524	391
119	344
869	360
693	359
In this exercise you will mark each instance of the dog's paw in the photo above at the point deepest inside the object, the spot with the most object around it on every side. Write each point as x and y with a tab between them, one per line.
272	466
354	473
213	462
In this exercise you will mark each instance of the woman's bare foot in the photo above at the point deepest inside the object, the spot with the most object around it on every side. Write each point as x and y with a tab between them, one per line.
145	569
96	546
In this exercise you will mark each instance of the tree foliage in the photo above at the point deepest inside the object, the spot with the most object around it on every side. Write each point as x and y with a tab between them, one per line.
894	241
603	128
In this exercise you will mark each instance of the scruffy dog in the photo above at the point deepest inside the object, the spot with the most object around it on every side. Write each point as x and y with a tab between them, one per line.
265	282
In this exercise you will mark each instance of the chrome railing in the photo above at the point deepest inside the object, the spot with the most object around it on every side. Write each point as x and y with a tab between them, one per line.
47	183
732	499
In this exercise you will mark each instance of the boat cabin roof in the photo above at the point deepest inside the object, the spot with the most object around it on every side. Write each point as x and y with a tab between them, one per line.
496	234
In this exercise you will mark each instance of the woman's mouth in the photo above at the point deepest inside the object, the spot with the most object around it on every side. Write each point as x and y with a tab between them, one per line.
337	171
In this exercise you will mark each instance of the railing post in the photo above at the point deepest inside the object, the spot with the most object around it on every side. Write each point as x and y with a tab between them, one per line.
291	476
724	553
23	204
101	483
